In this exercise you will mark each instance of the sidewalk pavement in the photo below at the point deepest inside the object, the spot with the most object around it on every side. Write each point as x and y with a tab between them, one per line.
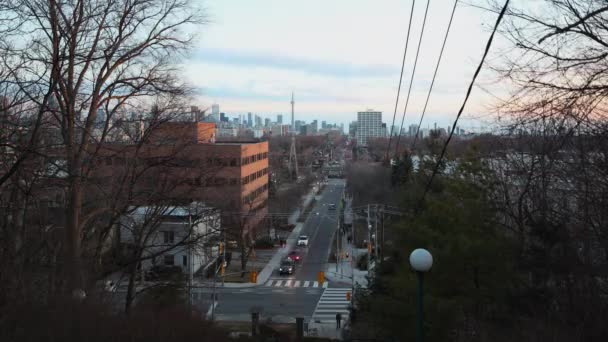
281	253
347	269
325	330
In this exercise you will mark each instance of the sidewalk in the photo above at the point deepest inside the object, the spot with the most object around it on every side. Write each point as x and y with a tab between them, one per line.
347	272
280	253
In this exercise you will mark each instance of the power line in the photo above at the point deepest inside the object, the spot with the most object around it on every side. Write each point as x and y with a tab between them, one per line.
428	96
445	145
407	100
407	40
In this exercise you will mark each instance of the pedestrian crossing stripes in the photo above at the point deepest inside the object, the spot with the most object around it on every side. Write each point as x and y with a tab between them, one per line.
332	302
295	283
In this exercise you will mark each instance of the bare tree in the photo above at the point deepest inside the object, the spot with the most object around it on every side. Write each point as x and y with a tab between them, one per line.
73	58
552	172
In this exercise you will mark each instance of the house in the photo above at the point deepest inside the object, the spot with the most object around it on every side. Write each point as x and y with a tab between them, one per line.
184	236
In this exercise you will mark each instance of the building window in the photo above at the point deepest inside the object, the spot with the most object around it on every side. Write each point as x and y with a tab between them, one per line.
168	237
184	260
233	162
232	181
169	260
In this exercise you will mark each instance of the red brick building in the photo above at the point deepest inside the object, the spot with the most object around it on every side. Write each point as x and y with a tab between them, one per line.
181	162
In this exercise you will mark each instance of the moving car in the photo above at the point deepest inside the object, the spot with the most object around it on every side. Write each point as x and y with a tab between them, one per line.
294	256
332	206
287	267
303	240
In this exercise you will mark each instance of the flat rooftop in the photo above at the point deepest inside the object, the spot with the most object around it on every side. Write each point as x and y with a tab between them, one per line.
224	142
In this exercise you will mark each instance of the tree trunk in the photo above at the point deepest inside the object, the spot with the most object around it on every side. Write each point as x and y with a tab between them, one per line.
73	240
129	298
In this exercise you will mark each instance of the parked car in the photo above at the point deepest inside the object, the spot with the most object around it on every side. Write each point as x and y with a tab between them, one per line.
294	256
287	267
163	272
303	240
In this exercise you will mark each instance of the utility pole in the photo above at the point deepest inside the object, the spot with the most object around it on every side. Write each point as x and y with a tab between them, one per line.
376	234
190	268
382	242
369	237
337	246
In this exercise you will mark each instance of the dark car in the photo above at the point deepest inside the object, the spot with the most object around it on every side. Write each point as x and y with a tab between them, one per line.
162	272
294	256
332	206
287	267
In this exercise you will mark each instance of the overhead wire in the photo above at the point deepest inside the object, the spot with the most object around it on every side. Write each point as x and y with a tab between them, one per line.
428	96
470	88
407	99
407	40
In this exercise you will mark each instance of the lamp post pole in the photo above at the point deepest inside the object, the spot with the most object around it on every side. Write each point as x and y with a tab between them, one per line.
420	309
421	261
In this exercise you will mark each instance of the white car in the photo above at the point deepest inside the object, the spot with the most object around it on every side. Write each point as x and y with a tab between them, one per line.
303	240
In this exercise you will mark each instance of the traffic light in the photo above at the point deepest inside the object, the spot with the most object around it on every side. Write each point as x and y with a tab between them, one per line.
348	296
254	277
321	277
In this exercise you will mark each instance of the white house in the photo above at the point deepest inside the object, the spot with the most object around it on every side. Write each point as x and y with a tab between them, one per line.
185	236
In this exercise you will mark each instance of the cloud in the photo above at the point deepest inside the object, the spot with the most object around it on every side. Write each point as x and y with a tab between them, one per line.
307	65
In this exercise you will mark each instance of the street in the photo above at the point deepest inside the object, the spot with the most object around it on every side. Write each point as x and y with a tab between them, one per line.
283	298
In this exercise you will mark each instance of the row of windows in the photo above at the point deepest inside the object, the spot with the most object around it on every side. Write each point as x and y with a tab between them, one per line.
216	161
211	181
254	158
254	194
254	176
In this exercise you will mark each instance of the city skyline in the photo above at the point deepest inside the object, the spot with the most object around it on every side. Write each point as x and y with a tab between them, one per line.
334	84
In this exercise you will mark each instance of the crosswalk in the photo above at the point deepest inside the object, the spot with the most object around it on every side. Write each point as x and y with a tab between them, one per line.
295	283
332	301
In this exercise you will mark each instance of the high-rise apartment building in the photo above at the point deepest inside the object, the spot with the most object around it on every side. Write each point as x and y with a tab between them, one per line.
280	119
298	125
369	125
267	122
215	112
249	120
258	121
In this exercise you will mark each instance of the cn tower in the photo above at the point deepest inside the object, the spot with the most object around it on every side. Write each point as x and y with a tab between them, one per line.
293	126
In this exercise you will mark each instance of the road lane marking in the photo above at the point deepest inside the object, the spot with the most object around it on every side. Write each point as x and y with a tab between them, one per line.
316	284
306	283
296	284
278	283
325	285
288	283
269	283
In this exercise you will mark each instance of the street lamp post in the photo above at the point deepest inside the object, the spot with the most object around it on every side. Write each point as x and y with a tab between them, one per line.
421	261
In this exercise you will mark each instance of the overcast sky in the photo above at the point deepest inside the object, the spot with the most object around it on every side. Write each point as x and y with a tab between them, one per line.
338	57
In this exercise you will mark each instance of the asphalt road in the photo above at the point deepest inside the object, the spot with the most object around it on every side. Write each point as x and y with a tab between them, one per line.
320	228
283	304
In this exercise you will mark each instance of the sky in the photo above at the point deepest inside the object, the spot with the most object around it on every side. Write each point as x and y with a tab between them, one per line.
338	57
